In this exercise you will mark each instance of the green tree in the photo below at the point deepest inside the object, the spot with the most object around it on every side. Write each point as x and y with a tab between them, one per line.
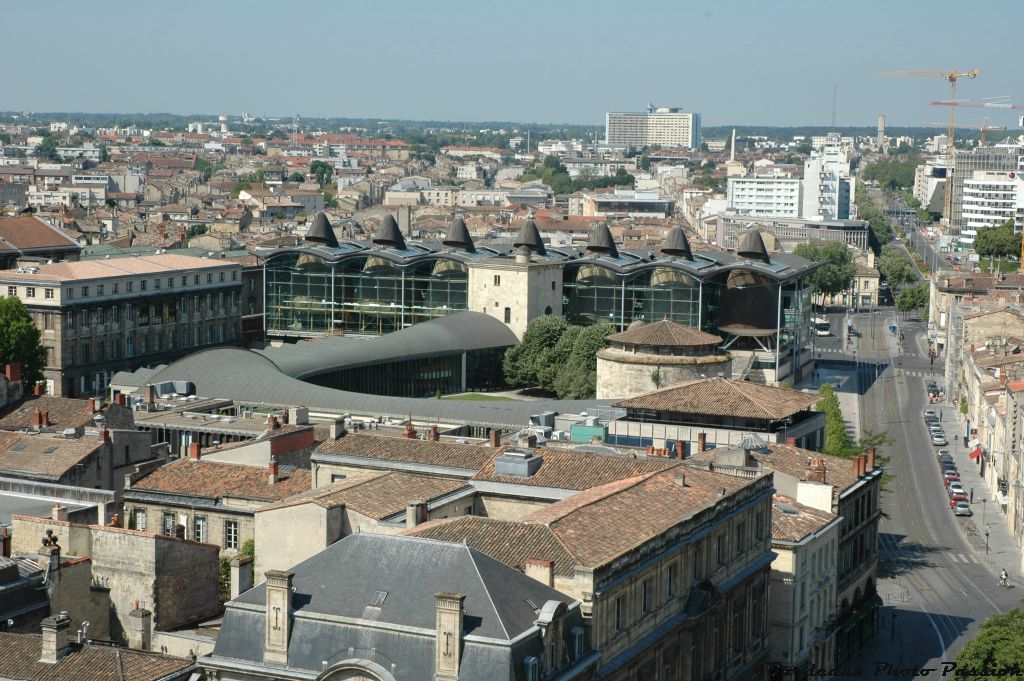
577	377
196	230
322	171
892	173
998	241
154	142
19	341
522	362
205	169
837	270
239	186
837	440
913	298
896	267
47	149
997	646
296	177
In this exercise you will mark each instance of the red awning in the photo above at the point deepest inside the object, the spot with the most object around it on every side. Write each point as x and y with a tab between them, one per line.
975	453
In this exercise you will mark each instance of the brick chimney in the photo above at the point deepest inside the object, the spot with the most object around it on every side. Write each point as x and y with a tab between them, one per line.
149	394
680	448
39	389
104	434
542	570
273	471
120	399
858	465
13	372
494	437
46	419
92	405
816	470
55	638
37	419
272	423
702	442
791	441
435	434
410	431
194	451
871	460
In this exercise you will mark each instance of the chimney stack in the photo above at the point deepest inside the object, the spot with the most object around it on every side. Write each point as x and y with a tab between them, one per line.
791	441
39	389
680	449
681	478
494	438
149	394
410	431
278	616
448	644
273	471
140	628
92	405
37	419
49	553
435	434
542	570
59	513
272	423
702	442
859	465
119	399
816	470
871	460
13	372
46	419
531	441
55	638
104	434
415	513
194	451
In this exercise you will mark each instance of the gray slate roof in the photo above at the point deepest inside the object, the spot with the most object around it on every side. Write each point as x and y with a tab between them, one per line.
388	234
676	244
321	232
458	237
340	582
601	241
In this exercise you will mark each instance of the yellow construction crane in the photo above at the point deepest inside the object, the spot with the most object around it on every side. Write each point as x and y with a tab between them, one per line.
951	77
982	129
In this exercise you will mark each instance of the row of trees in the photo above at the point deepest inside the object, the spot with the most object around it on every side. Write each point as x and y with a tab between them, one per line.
896	267
556	176
557	357
879	230
837	440
892	173
998	241
837	270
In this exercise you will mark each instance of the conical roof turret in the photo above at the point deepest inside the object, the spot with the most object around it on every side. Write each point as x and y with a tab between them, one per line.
458	237
388	234
529	236
321	232
601	241
676	244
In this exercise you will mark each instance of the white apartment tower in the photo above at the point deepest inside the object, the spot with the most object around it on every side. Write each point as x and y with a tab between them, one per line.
764	196
828	190
664	126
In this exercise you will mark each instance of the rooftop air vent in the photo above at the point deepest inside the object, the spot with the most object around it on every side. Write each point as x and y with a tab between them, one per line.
518	463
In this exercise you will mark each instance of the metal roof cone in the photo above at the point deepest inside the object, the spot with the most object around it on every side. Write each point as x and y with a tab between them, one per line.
752	247
601	241
321	232
388	234
676	244
458	237
529	236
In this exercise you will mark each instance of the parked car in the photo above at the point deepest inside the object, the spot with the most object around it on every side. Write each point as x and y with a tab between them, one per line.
956	498
930	412
962	508
950	479
939	440
956	488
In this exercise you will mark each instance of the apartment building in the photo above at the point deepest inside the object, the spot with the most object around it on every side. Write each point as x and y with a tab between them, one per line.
828	186
26	238
665	126
790	232
98	317
762	196
990	198
969	189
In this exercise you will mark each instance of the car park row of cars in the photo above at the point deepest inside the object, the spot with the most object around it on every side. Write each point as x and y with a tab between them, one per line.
958	500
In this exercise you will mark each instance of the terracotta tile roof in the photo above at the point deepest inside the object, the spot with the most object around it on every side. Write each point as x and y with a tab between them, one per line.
665	333
27	232
118	267
999	360
567	469
792	461
19	660
215	480
43	455
427	452
511	542
63	412
724	397
375	495
792	521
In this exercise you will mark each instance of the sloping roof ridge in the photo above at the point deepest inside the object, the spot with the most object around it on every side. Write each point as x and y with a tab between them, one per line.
476	568
752	398
590	497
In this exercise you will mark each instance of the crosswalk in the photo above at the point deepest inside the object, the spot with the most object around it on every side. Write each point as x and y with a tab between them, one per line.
923	374
961	558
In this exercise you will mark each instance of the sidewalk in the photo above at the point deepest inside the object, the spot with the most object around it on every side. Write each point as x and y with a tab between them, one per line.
847	392
1002	551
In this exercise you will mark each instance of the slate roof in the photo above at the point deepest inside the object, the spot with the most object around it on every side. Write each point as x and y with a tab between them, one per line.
792	521
676	244
333	590
428	452
42	455
19	661
376	495
63	412
724	397
26	232
322	232
601	241
388	234
215	480
665	333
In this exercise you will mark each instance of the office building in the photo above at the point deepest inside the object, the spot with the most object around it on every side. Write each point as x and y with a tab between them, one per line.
98	317
790	232
664	126
989	199
761	196
1005	157
828	192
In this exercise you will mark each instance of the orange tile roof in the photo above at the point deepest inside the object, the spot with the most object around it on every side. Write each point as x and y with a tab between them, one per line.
215	480
28	232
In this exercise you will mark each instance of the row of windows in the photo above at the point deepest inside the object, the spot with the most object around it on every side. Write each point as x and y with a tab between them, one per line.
100	351
199	531
146	313
115	288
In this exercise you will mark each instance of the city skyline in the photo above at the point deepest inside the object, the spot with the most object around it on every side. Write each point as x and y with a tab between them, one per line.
415	63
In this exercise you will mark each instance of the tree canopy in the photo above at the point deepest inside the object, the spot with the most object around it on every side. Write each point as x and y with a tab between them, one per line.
19	341
837	440
322	171
47	149
837	270
997	646
557	357
896	267
879	229
555	175
997	241
891	173
913	298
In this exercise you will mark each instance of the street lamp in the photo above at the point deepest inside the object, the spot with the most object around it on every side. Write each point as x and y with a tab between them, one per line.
986	540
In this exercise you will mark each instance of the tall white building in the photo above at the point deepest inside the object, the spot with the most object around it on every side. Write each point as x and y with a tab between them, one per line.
828	190
990	198
765	195
665	126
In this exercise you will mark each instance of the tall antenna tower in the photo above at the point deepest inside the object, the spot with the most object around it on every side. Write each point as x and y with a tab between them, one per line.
835	97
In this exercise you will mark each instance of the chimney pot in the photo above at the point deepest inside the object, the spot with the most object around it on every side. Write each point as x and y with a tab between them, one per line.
871	460
494	438
194	451
273	471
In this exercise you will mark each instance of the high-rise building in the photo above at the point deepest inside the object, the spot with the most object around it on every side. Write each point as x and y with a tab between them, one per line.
828	187
982	185
664	126
764	196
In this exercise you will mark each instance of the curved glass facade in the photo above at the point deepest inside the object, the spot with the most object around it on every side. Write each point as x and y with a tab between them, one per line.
363	294
592	293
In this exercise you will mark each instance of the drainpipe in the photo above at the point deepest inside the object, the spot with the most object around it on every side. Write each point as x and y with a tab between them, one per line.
778	335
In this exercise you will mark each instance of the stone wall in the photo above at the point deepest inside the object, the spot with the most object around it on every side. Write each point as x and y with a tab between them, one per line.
622	374
527	290
216	530
295	533
187	583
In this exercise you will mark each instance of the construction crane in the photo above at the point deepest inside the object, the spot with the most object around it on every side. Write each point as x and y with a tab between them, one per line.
991	103
951	77
982	129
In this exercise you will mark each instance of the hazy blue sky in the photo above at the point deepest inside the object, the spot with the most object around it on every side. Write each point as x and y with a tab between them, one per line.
736	62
